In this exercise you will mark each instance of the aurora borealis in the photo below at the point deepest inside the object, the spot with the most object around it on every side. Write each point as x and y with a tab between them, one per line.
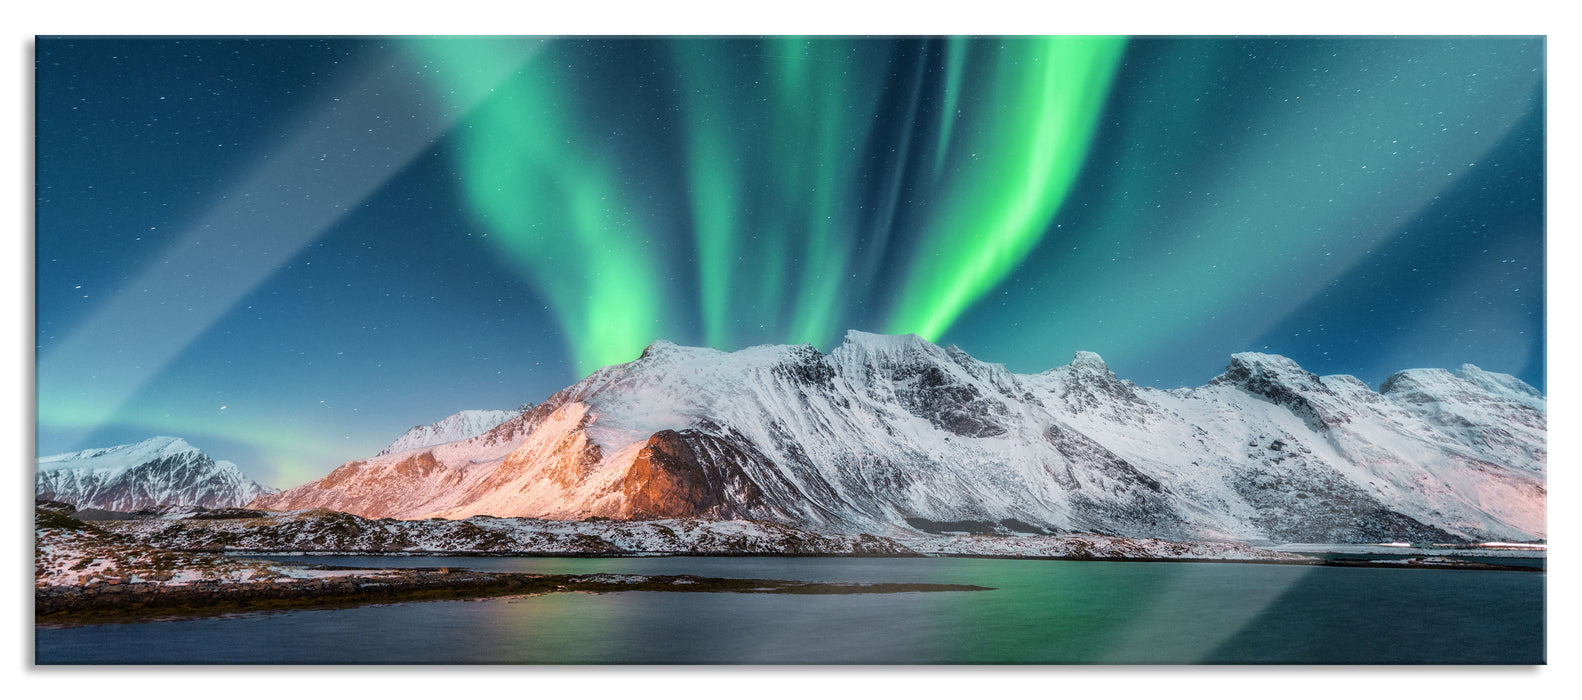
287	251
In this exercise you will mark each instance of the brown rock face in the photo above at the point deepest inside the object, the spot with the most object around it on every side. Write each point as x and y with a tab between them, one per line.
335	478
690	474
666	481
419	466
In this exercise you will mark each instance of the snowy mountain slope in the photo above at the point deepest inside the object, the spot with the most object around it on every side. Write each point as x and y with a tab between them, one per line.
156	471
460	426
118	457
892	435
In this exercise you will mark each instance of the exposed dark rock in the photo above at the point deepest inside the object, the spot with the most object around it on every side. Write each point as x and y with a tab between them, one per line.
1079	449
691	473
949	405
1316	506
1283	382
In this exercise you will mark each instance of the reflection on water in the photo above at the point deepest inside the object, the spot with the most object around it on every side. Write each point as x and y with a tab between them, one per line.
1040	612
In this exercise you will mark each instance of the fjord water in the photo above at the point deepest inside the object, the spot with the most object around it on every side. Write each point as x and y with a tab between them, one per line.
1040	612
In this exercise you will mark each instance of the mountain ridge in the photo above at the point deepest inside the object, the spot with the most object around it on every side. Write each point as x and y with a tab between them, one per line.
457	426
161	470
886	431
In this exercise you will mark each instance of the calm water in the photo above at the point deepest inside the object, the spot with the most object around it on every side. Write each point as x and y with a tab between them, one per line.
1042	612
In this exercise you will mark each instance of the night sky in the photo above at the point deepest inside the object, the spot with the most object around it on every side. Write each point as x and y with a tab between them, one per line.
288	251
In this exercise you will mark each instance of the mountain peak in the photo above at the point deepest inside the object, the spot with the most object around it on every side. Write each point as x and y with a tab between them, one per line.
1434	383
167	441
1419	379
659	345
1089	361
1283	382
457	426
161	470
866	339
876	350
1268	361
1501	384
132	453
1257	371
164	445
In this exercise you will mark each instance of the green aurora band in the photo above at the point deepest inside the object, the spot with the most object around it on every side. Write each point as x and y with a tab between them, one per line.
553	204
1047	98
832	183
774	131
1186	247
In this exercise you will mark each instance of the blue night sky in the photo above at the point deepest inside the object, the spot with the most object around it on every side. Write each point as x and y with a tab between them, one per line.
288	251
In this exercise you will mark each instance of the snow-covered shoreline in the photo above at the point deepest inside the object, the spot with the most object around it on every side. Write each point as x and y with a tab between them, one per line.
1511	550
333	532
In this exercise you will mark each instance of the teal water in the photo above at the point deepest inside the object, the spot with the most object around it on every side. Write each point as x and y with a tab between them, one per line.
1042	612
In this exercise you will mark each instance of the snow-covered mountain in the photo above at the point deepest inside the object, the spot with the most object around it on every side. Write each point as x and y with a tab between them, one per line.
459	426
156	471
894	435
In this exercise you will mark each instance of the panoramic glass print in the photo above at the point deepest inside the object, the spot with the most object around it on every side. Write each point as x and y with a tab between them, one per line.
791	349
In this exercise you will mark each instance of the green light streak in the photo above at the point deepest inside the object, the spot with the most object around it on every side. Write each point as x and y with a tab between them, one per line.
829	107
790	116
1048	95
552	205
772	273
775	134
1321	178
955	63
877	235
716	225
714	178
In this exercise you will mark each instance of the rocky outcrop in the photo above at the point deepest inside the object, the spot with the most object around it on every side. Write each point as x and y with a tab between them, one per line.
1286	384
689	474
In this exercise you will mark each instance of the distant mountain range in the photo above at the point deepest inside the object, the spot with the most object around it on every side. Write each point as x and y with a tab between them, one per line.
892	435
156	471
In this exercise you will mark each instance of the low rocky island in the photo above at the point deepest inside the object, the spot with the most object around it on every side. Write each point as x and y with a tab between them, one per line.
84	573
1428	563
152	600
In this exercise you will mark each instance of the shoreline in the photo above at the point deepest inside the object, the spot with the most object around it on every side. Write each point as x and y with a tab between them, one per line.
1307	560
137	571
317	532
147	602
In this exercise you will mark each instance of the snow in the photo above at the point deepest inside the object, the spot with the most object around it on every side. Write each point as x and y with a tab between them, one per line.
459	426
309	532
884	430
68	558
1499	549
120	457
157	471
323	531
